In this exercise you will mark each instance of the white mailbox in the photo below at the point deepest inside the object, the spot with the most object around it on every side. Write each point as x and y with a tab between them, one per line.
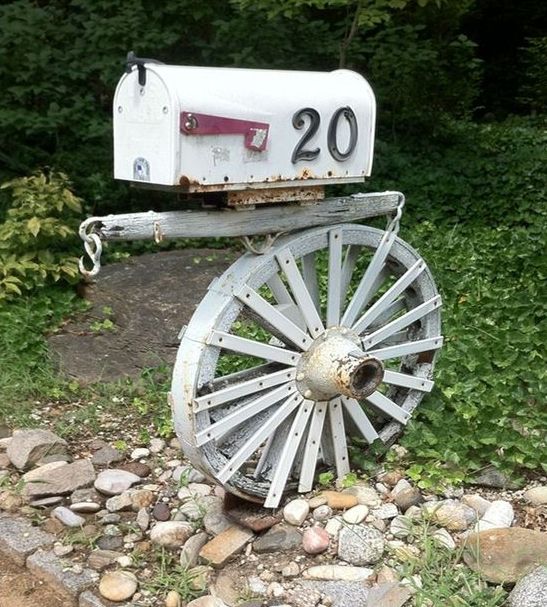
209	129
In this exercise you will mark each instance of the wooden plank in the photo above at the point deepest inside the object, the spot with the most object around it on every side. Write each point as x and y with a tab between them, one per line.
233	223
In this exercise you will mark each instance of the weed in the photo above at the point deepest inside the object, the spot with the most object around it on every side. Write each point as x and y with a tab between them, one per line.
168	575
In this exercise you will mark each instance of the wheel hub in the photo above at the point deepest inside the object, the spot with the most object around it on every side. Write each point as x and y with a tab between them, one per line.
336	365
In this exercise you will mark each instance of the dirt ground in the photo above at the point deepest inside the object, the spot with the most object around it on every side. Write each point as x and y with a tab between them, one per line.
19	588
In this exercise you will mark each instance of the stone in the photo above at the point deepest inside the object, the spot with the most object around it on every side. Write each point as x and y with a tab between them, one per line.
391	478
402	485
46	502
442	537
279	538
356	515
124	561
100	559
491	477
87	494
188	475
67	517
401	526
62	549
386	574
157	445
451	514
499	515
4	442
192	511
110	518
207	601
391	594
141	498
117	503
385	511
4	461
333	526
200	578
296	511
118	586
36	474
60	480
290	570
318	500
29	446
143	519
173	598
407	498
247	514
138	468
322	513
110	542
505	555
477	502
315	540
53	570
256	586
10	501
331	593
106	455
221	548
537	496
340	501
140	453
171	534
226	589
338	572
114	481
191	549
85	507
530	590
360	545
18	539
161	512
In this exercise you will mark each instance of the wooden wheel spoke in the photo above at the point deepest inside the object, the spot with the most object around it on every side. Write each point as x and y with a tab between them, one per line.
411	347
242	345
365	289
242	414
288	454
239	390
407	381
338	432
360	419
402	322
387	406
348	266
254	442
311	450
334	292
274	318
389	296
300	291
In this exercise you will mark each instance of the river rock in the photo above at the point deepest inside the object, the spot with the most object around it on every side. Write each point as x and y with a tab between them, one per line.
171	534
537	496
207	601
491	477
406	498
140	453
36	474
118	586
161	512
141	498
143	519
106	455
101	559
451	514
360	545
60	480
340	501
334	525
115	482
531	590
67	517
279	538
385	511
442	537
477	502
315	540
120	502
85	507
173	599
499	515
29	446
138	468
356	515
338	572
505	555
322	513
366	496
296	511
190	551
401	526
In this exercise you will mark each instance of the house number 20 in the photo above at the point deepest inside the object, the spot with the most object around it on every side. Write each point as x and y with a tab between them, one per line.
300	153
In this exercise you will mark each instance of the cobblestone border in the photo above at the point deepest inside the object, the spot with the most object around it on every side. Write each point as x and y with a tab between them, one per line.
30	547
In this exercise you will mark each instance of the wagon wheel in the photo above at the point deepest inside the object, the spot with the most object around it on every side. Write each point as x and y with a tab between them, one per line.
330	335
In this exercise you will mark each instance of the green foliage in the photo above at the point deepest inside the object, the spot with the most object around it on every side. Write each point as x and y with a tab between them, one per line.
534	88
168	574
444	579
34	237
477	212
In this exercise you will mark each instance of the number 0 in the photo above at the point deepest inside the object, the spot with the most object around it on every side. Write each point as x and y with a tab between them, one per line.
332	142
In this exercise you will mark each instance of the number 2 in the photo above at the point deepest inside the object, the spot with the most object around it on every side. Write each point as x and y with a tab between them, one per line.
298	122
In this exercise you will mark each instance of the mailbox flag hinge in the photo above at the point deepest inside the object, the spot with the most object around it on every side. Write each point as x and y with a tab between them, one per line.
255	133
140	62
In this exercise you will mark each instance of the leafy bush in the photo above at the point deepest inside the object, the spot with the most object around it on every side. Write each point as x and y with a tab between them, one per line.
477	212
37	231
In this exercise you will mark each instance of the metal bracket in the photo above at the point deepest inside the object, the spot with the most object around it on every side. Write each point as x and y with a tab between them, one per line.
263	247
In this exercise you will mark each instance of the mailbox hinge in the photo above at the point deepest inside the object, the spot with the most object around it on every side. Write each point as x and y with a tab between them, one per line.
140	62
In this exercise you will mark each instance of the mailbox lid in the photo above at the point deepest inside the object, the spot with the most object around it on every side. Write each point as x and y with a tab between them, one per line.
207	129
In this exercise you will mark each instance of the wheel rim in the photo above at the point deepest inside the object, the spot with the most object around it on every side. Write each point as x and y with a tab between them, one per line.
263	428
